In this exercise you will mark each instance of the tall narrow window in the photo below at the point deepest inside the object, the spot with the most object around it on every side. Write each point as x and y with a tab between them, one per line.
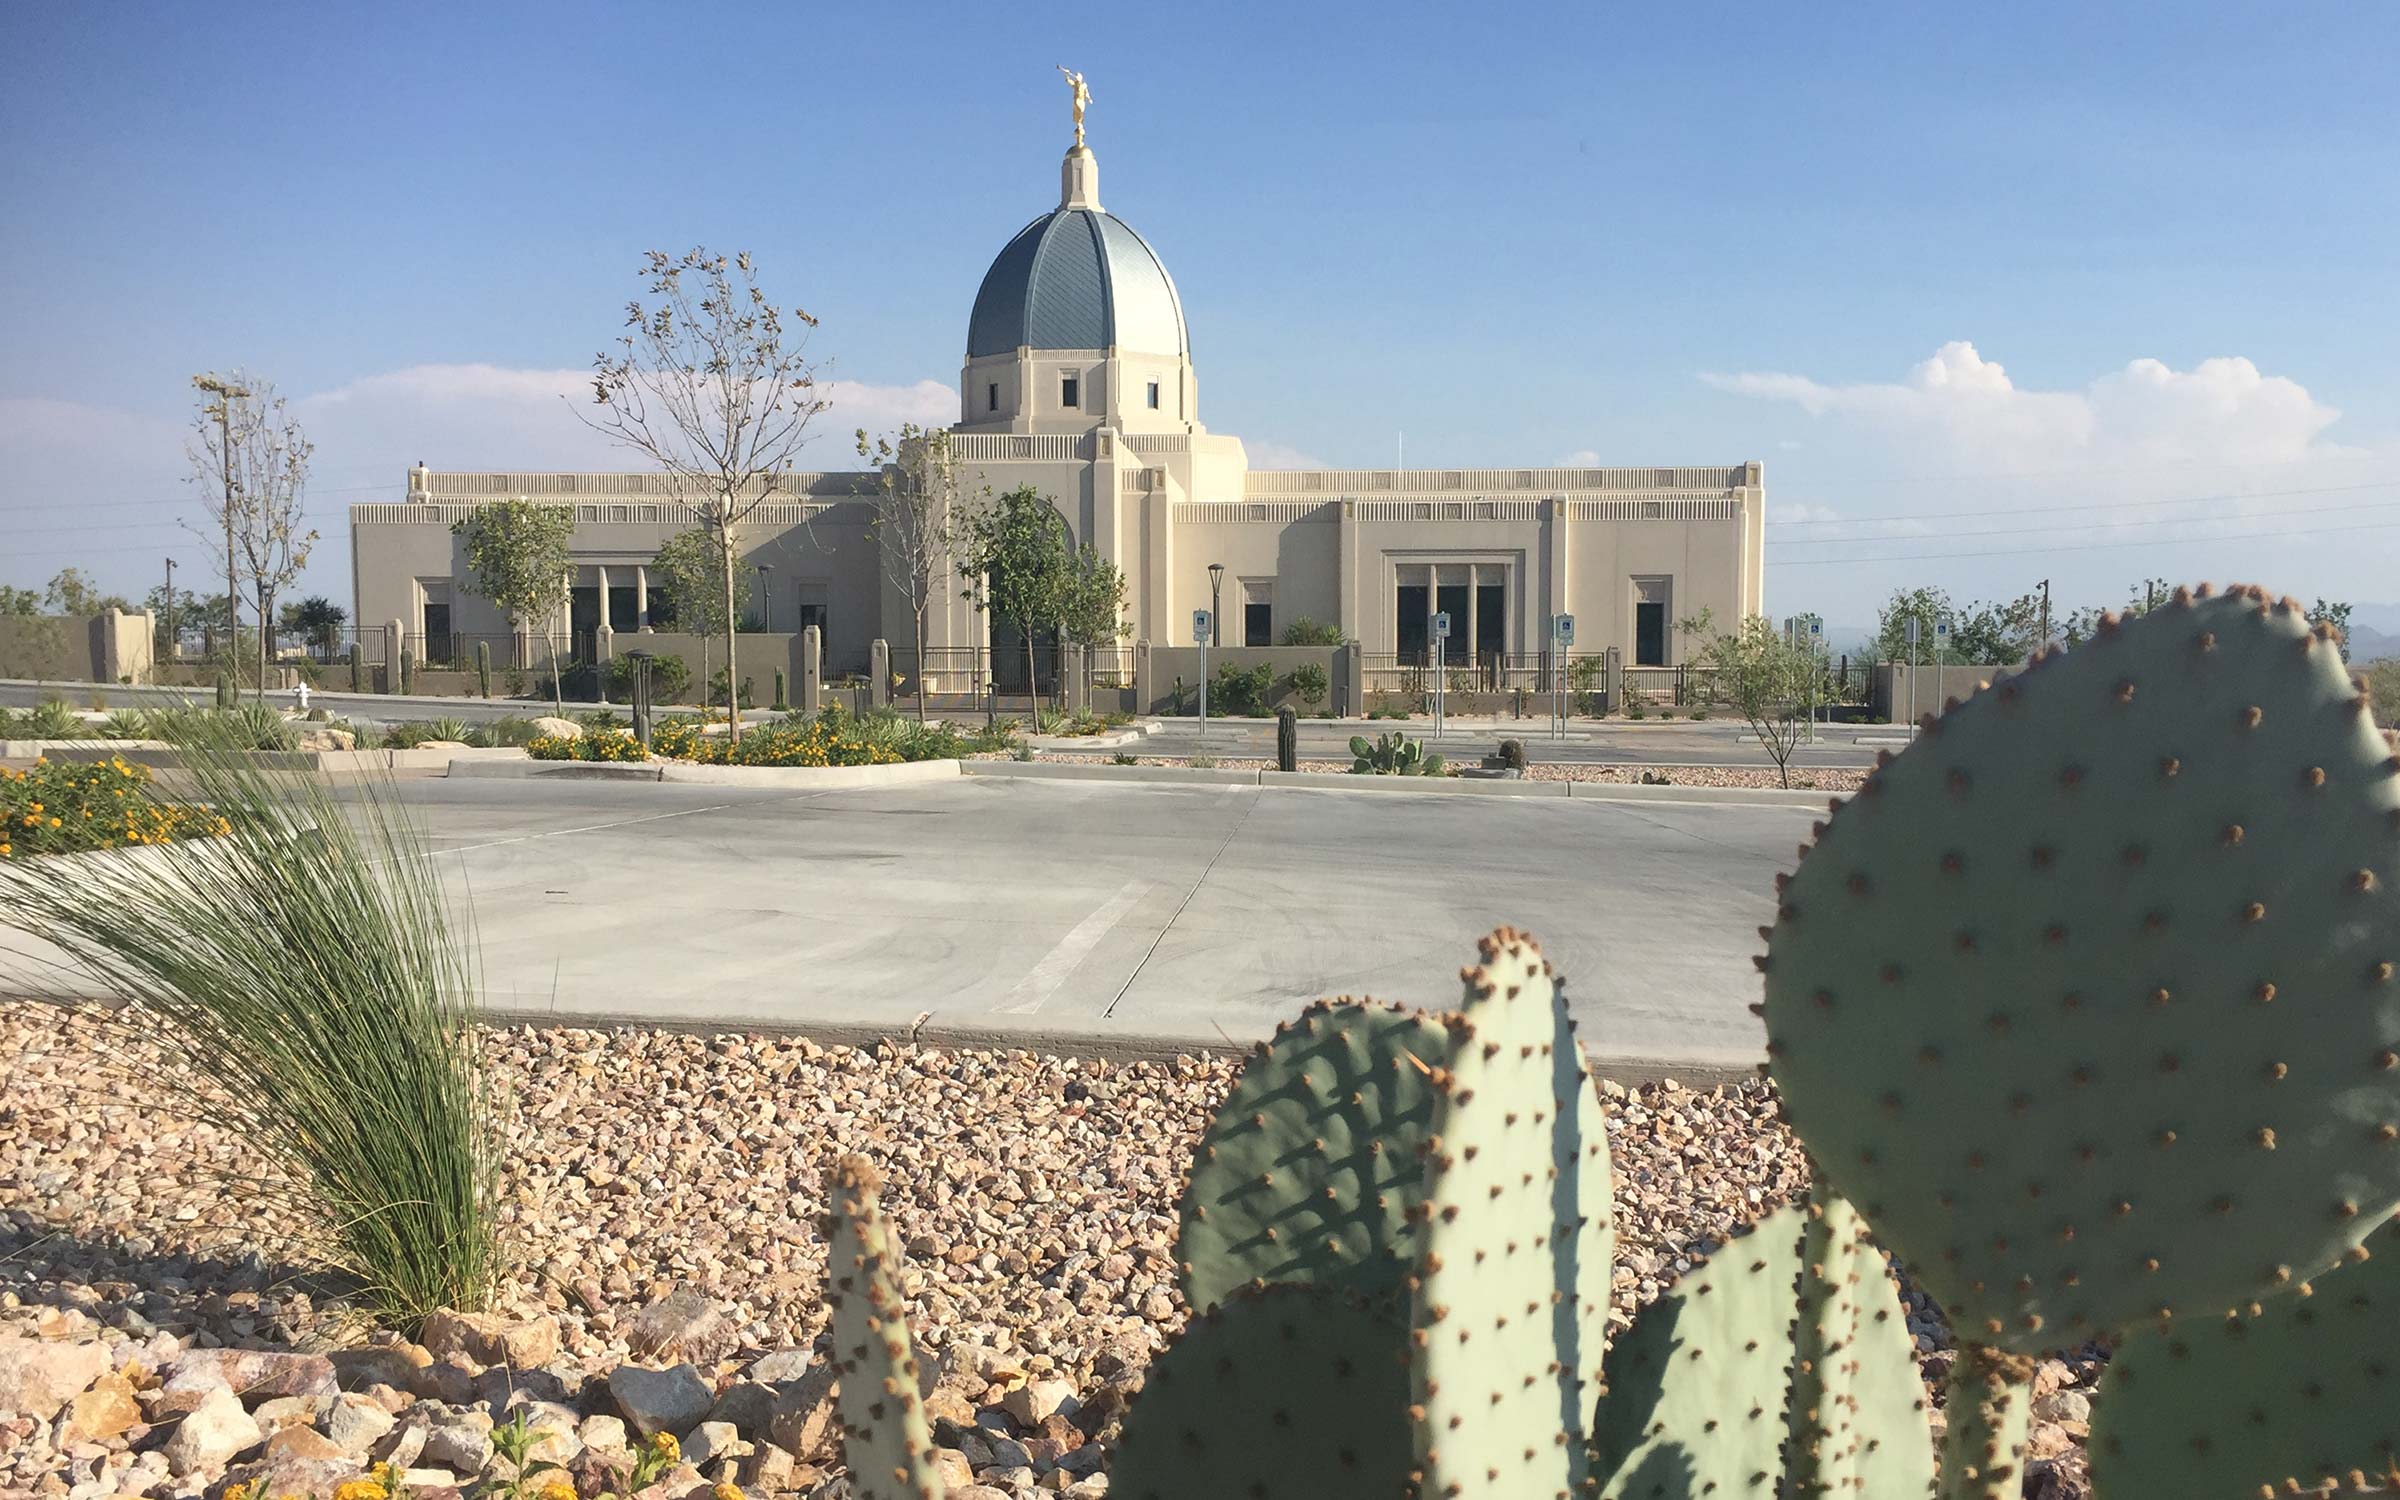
991	396
1154	395
1070	394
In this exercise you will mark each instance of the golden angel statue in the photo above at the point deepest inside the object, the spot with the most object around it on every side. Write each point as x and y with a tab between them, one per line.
1083	96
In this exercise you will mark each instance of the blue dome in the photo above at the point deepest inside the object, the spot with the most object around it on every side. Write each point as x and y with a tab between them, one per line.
1077	278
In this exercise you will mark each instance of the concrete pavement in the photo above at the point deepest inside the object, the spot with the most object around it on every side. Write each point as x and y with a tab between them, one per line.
1079	914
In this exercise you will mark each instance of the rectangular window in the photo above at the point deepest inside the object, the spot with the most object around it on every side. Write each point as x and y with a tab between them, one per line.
991	396
1154	395
1258	624
1069	394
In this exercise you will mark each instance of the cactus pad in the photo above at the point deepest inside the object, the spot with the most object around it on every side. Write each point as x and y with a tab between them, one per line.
1278	1393
1856	1419
2088	1000
1704	1372
884	1437
2305	1389
1510	1302
1309	1169
1781	1367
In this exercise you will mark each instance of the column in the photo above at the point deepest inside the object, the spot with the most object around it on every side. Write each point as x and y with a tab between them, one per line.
600	571
1346	579
641	595
1474	578
879	673
812	669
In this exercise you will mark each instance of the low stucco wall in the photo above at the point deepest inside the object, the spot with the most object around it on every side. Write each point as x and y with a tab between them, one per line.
1889	687
114	647
1157	668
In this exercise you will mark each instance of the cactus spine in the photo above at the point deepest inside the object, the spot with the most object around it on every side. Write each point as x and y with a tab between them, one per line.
1287	739
483	667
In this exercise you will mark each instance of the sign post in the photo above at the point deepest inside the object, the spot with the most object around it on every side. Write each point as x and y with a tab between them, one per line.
1941	643
1200	625
1909	635
1562	633
1816	640
1441	635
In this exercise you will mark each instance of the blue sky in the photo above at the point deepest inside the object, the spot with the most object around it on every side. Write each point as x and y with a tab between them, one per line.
2068	291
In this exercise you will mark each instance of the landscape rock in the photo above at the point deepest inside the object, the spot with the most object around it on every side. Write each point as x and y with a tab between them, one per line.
806	1425
489	1339
106	1410
685	1326
211	1435
399	1366
1036	1399
38	1378
304	1442
781	1367
552	725
292	1474
668	1400
256	1375
322	739
713	1442
356	1421
602	1433
461	1443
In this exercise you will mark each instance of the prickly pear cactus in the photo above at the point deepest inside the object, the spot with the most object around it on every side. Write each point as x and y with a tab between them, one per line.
1782	1367
1280	1393
2297	1392
1510	1301
2087	999
1309	1169
884	1437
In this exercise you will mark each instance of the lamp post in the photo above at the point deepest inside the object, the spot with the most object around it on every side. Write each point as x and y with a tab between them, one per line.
174	646
222	409
1216	608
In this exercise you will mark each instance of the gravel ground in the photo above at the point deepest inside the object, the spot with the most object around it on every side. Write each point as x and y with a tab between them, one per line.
1822	779
1036	1194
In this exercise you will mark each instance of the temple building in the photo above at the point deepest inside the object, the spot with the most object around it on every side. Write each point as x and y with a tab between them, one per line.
1078	380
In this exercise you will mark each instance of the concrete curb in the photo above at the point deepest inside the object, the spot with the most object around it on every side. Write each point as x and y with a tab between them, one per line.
806	778
1109	1040
1446	786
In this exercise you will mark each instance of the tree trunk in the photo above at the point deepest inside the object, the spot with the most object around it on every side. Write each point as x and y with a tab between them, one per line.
558	688
733	684
920	663
1033	687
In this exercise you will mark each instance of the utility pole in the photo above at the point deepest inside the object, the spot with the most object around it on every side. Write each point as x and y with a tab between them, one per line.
2045	612
174	643
222	410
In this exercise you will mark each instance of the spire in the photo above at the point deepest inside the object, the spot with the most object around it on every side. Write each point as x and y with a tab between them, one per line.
1079	179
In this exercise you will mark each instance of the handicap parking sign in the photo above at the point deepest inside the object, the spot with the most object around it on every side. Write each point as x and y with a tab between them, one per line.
1441	625
1566	630
1199	627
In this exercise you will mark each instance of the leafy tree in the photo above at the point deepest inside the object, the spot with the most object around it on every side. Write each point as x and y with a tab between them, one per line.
2337	614
1924	606
1016	564
17	601
1766	677
688	577
70	593
916	520
1997	633
1307	632
517	551
2140	599
249	463
317	619
170	609
705	384
1092	613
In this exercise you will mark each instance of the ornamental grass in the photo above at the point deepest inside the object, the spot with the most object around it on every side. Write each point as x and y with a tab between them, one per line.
303	982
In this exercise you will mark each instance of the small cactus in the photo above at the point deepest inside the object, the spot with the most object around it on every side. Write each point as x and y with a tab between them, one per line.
358	668
783	702
884	1435
1287	739
1392	755
408	671
483	667
225	690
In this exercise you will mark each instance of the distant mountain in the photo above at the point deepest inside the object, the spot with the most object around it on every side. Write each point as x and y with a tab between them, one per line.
2369	644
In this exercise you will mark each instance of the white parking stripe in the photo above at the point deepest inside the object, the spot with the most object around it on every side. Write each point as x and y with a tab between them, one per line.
1043	979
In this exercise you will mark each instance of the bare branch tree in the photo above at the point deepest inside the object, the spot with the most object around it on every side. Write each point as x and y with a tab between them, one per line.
704	383
916	519
250	462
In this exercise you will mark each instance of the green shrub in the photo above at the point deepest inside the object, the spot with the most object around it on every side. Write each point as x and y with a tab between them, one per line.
67	807
126	724
1307	632
1122	759
512	730
1309	684
596	745
299	985
1233	692
53	720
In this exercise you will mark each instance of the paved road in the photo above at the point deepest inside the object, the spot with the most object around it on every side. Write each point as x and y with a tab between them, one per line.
1059	909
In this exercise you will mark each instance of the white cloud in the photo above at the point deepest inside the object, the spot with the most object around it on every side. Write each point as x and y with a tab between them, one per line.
1581	458
1963	408
1792	513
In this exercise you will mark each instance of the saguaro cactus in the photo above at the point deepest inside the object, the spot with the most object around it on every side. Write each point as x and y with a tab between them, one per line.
1287	739
483	668
356	669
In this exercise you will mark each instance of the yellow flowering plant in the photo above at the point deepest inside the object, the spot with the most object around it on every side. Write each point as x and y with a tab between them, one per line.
67	807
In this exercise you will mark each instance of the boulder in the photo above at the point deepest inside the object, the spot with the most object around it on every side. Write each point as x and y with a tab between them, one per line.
399	1366
38	1378
489	1339
805	1423
211	1435
683	1325
304	1442
256	1374
748	1405
104	1411
781	1367
549	724
1036	1399
461	1443
768	1468
668	1400
355	1422
325	739
602	1433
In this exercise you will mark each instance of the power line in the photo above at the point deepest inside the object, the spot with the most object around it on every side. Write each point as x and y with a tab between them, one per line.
2036	510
